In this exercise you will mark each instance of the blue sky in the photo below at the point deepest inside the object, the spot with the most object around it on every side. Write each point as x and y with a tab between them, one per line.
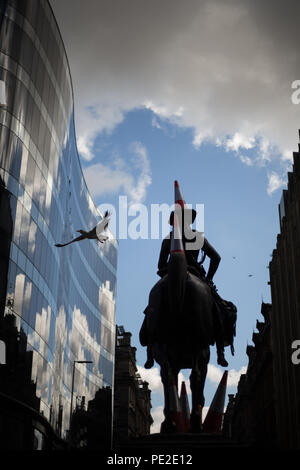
197	91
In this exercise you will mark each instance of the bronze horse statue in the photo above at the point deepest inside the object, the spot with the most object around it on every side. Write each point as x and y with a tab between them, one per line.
179	327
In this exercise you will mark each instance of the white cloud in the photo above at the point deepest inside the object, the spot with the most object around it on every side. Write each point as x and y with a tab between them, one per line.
239	141
221	67
91	119
158	417
137	193
119	175
234	376
287	155
275	182
214	374
246	160
152	376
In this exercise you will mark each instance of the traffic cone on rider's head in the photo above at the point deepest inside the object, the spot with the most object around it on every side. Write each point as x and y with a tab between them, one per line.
185	407
178	196
175	409
176	241
214	418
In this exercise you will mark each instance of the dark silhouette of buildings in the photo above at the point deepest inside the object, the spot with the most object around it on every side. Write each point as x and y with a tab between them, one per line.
132	401
250	415
91	425
285	291
266	408
57	306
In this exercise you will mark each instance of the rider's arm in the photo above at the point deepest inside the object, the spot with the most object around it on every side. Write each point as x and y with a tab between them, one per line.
215	259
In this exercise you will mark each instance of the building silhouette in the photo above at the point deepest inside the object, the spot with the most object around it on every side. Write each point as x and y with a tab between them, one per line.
57	306
92	424
130	406
285	282
250	415
132	399
266	408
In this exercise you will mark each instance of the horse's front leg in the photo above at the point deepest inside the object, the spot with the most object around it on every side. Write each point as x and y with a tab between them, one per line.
197	382
170	381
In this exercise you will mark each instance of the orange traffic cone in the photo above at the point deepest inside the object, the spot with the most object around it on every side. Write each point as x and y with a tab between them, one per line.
214	417
175	408
183	212
185	407
176	239
178	195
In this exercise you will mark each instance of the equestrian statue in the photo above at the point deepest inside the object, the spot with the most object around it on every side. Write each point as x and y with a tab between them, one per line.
185	314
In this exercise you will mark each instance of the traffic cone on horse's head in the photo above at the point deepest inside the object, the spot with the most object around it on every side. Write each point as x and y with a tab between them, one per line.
214	418
175	408
185	407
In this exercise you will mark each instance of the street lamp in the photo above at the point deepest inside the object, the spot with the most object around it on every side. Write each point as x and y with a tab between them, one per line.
72	390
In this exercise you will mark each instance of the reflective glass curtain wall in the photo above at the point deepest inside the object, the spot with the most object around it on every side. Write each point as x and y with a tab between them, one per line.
57	305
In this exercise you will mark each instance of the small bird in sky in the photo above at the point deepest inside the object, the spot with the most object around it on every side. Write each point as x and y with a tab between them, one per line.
250	275
234	257
95	234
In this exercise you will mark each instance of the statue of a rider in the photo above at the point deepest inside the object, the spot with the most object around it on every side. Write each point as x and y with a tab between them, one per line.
224	313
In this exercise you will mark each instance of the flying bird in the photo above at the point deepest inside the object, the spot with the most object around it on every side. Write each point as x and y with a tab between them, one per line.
95	234
250	275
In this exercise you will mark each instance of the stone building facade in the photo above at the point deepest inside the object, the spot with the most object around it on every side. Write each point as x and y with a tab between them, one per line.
132	400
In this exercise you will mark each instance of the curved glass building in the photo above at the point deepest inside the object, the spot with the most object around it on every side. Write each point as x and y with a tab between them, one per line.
57	304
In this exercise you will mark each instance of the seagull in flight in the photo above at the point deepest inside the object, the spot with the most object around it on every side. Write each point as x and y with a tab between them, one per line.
250	275
95	234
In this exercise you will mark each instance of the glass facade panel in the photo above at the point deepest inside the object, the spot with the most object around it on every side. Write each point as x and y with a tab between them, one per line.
57	306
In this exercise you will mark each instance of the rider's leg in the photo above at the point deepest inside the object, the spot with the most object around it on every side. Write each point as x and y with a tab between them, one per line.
220	353
150	361
219	337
